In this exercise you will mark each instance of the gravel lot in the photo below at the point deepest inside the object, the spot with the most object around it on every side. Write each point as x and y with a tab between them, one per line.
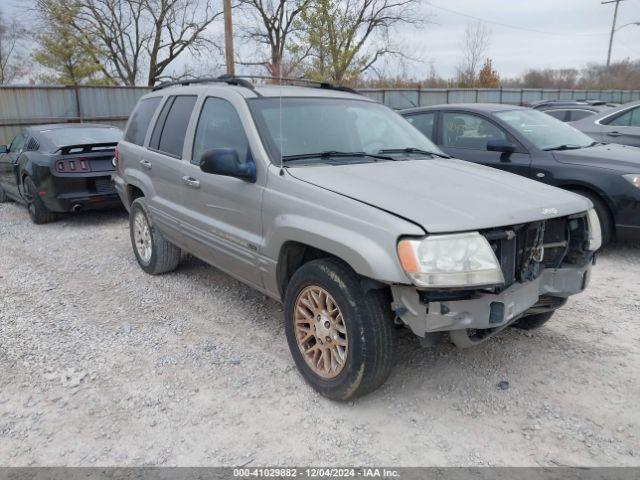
104	365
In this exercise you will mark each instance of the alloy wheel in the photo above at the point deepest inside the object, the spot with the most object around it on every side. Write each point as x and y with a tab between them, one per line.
142	237
320	332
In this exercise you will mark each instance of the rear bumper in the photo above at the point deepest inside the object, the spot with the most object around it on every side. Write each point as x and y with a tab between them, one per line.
485	310
121	189
85	193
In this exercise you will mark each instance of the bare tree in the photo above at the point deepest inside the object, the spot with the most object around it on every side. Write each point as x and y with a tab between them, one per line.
347	37
271	24
12	64
142	37
477	38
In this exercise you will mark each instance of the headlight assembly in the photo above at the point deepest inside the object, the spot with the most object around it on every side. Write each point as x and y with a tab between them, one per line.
448	261
595	232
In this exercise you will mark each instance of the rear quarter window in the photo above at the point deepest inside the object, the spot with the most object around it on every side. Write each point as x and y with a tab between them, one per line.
140	120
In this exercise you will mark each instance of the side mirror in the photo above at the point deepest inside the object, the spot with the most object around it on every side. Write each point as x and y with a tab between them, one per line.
225	161
500	145
4	148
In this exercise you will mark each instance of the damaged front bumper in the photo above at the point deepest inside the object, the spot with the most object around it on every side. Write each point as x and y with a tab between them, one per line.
426	314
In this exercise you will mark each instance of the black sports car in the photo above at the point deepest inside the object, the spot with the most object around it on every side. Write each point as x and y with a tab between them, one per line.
60	168
535	145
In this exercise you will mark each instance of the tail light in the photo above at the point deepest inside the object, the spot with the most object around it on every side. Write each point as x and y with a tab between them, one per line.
75	165
116	160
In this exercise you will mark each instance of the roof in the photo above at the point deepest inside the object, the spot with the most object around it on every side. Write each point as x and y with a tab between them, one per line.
271	91
275	87
469	107
572	106
58	126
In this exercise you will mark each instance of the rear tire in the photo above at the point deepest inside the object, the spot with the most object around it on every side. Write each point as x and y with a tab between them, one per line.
533	322
351	328
154	253
604	215
38	212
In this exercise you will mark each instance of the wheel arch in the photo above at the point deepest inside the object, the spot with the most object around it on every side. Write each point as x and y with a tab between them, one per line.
606	201
294	254
578	187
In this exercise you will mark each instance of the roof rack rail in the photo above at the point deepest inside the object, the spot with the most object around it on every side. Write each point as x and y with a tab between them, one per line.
228	79
243	81
318	83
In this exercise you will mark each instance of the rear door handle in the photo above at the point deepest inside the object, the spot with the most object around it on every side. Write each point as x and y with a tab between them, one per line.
191	182
145	164
614	134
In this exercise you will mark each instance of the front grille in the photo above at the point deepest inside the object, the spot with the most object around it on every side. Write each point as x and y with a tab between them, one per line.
525	250
104	186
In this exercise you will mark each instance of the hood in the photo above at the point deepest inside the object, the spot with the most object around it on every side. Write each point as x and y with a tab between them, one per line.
445	195
620	158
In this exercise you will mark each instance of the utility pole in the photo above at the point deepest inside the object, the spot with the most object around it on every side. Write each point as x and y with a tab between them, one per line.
228	37
613	27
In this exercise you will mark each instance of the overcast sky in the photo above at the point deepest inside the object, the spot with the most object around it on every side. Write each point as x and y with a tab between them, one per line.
568	33
575	32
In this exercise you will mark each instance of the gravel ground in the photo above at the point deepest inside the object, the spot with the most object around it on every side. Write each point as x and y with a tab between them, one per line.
104	365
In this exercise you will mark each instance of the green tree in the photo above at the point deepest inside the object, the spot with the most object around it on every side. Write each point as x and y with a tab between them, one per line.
341	39
60	50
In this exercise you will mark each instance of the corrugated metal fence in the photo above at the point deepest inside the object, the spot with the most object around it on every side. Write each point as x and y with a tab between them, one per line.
406	97
29	105
21	106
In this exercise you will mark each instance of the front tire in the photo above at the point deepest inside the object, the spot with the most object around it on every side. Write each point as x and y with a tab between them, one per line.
154	253
533	322
38	212
341	337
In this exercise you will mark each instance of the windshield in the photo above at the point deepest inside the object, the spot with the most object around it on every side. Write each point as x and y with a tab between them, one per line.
313	125
62	137
544	131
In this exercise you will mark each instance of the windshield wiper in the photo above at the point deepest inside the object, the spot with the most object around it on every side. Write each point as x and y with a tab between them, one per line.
414	150
565	147
334	154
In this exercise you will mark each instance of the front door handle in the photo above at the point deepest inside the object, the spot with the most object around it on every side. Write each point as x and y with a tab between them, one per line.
614	134
191	182
145	164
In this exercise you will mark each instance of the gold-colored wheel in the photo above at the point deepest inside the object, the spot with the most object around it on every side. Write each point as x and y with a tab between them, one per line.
320	332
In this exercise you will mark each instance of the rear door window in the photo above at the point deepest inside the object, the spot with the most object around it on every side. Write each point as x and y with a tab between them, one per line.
423	122
171	127
140	120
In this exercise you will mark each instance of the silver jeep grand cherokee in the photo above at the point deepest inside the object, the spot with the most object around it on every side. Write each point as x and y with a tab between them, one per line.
336	206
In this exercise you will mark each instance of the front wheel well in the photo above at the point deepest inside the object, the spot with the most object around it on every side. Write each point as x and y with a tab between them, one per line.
589	191
602	206
295	254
